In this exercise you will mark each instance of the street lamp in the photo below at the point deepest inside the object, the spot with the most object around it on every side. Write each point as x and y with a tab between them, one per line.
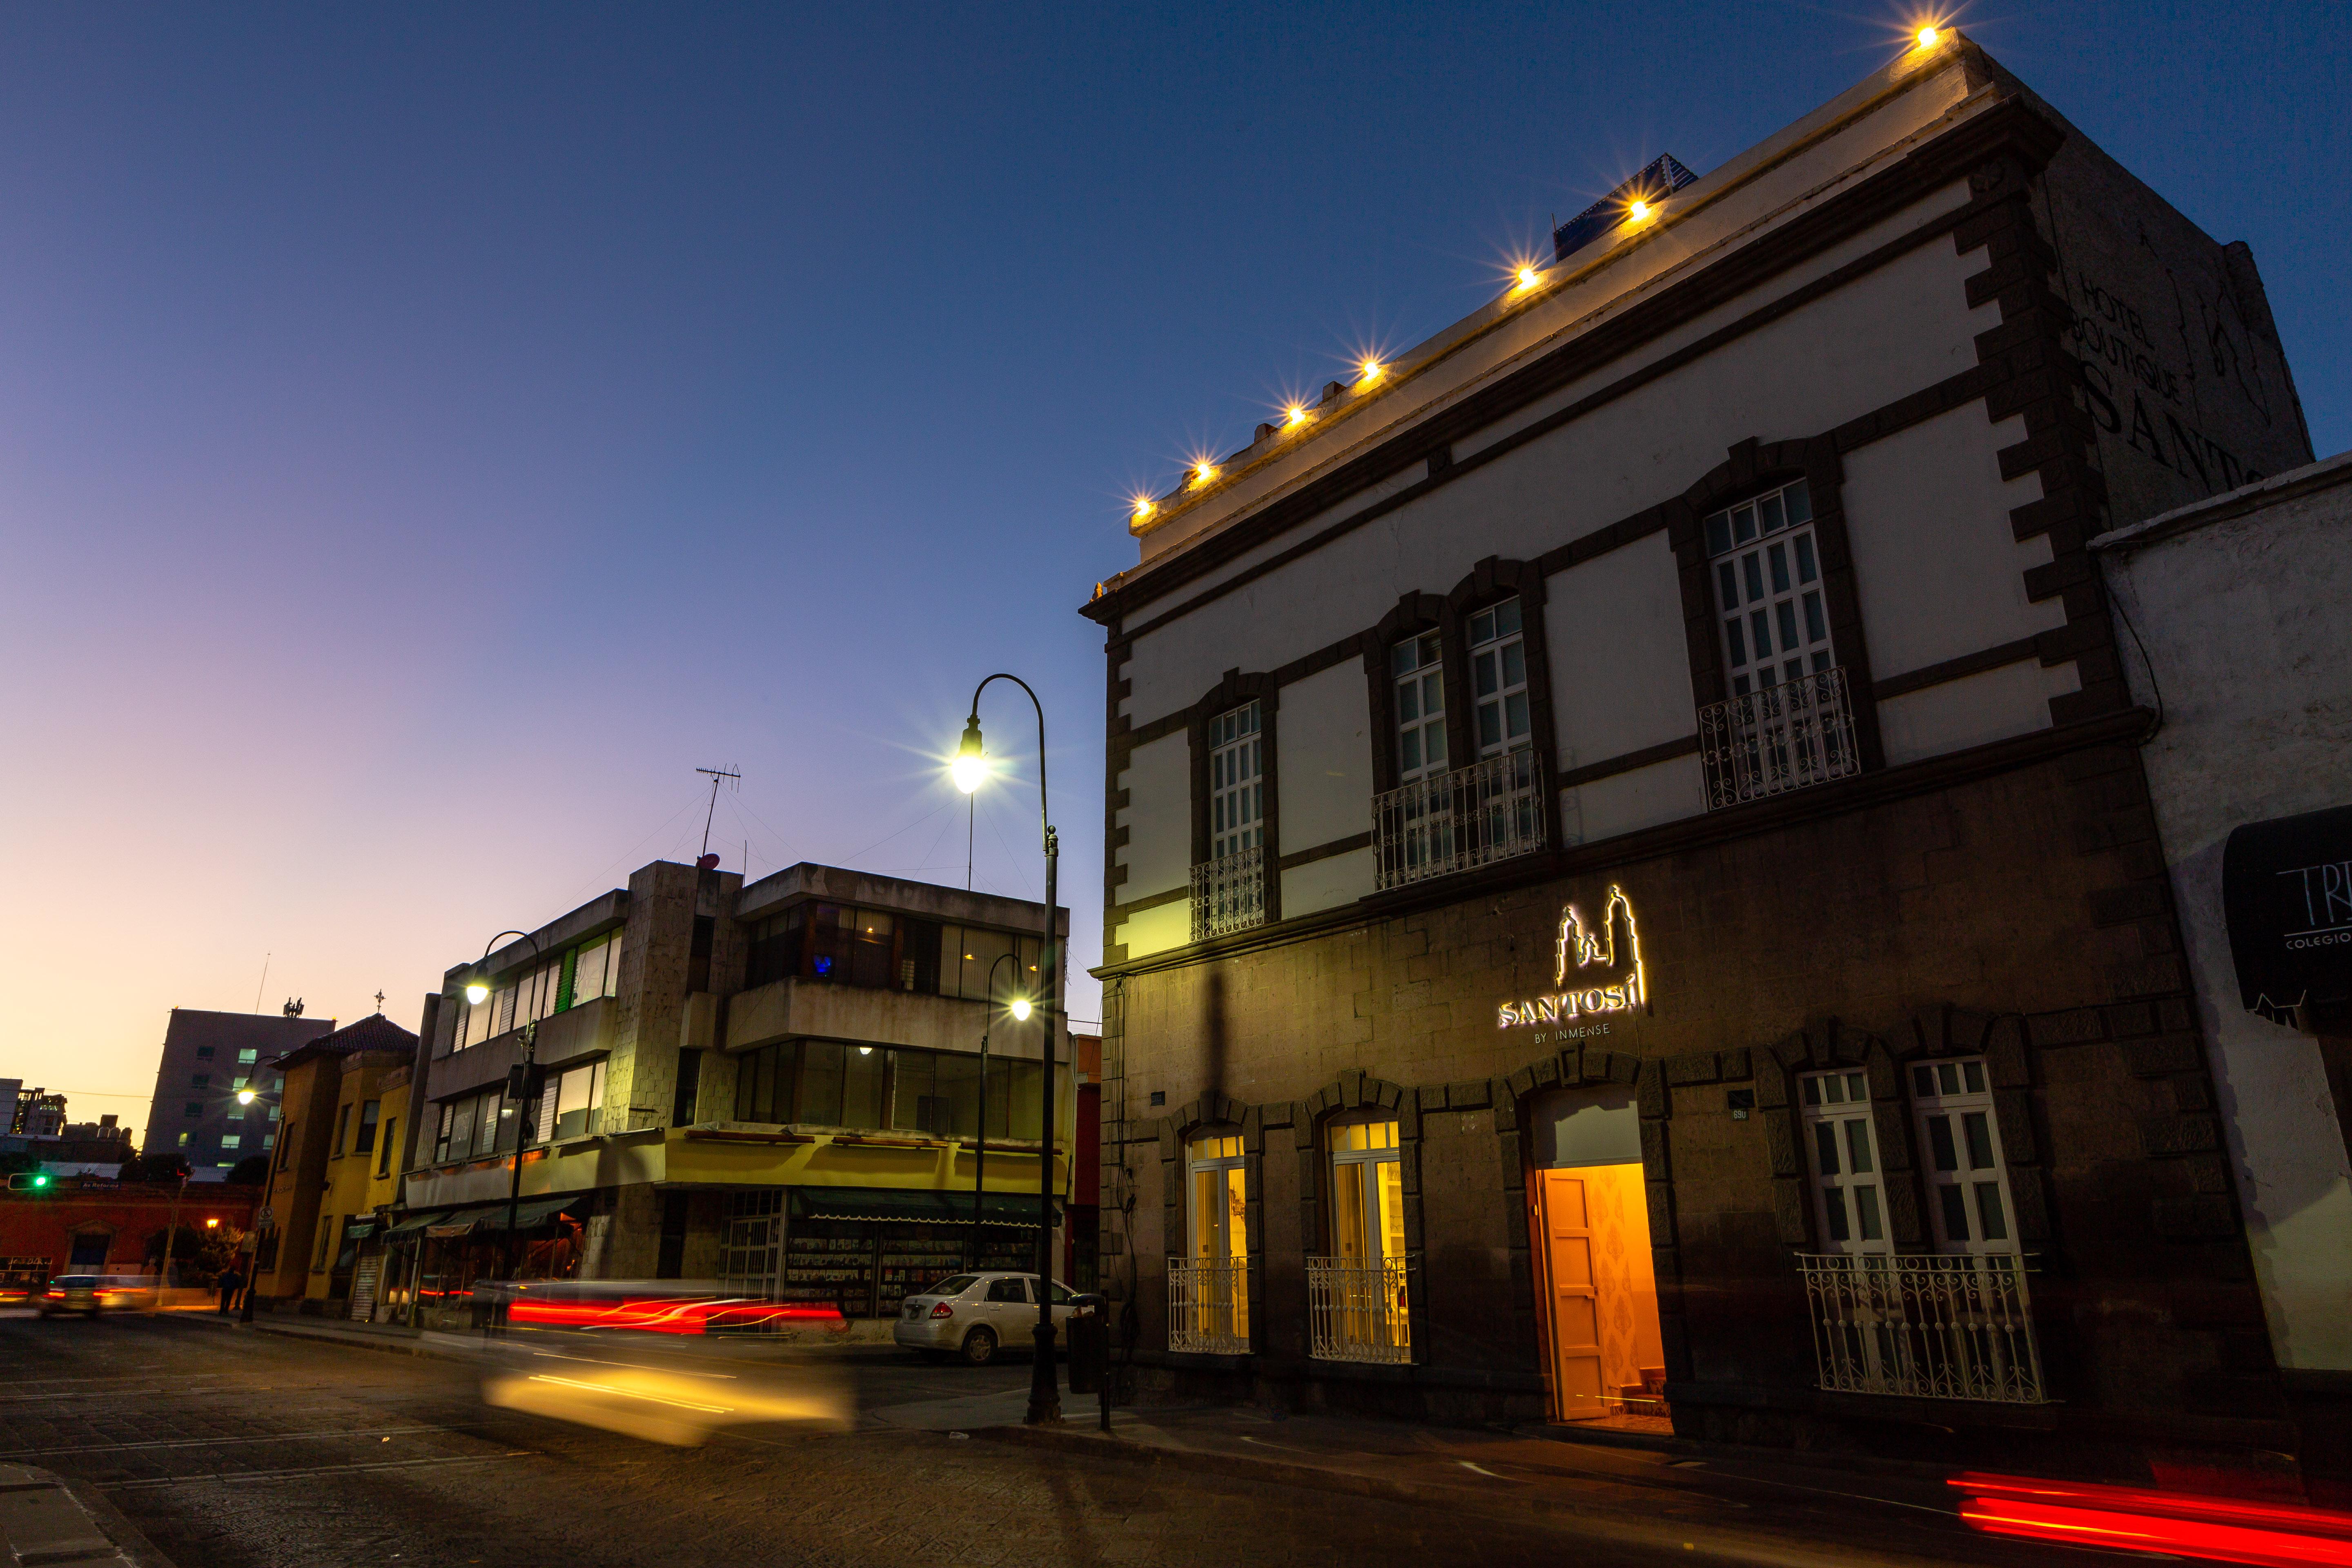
971	767
1020	1011
522	1086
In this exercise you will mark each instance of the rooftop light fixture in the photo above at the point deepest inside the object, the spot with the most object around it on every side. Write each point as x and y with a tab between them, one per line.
1372	369
1929	36
1638	210
1203	471
1144	508
1528	277
1295	415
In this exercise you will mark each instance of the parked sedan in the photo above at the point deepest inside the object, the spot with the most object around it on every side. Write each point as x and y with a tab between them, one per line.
974	1315
72	1293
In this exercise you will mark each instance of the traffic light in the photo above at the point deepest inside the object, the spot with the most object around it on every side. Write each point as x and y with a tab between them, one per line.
28	1181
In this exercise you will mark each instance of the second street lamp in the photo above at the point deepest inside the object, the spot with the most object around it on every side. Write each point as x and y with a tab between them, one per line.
971	767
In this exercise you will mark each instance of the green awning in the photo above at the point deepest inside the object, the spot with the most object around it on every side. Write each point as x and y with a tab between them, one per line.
413	1224
528	1216
904	1205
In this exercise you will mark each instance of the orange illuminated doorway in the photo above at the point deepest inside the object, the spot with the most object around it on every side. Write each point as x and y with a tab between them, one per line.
1601	1295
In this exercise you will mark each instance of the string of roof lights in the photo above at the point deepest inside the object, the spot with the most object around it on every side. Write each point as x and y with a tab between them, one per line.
1528	281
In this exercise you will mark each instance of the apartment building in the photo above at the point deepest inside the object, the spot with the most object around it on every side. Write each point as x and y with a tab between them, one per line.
1630	893
780	1086
207	1058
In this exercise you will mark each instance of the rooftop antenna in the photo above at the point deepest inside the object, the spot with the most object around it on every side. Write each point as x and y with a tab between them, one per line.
715	775
265	982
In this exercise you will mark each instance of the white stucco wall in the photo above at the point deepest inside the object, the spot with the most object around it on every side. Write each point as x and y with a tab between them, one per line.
2246	615
1158	816
1321	884
1323	759
1620	670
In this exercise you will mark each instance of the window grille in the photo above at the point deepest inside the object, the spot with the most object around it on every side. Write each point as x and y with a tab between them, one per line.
1356	1309
1778	739
1447	822
1229	893
1926	1327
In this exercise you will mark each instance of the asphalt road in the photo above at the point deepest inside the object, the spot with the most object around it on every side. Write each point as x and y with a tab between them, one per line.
237	1449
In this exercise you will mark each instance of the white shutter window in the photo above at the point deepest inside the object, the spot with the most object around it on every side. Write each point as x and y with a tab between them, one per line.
1968	1181
1842	1146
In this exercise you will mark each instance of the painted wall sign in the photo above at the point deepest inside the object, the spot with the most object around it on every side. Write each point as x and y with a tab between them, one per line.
2287	895
1597	969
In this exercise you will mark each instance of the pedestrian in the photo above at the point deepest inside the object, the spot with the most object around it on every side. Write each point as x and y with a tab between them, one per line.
229	1282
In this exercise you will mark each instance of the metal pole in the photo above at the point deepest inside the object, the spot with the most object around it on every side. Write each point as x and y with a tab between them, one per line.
171	1235
253	1272
980	1166
522	1141
1045	1391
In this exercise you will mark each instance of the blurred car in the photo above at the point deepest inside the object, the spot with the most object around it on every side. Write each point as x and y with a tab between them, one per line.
118	1291
656	1306
18	1292
71	1293
974	1315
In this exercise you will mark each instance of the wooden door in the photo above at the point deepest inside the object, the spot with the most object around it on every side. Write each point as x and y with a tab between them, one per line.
1575	1302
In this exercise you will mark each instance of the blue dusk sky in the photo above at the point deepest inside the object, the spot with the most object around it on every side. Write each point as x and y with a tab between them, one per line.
428	433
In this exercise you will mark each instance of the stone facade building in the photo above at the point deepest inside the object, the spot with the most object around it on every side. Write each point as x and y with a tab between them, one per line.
775	1086
1631	892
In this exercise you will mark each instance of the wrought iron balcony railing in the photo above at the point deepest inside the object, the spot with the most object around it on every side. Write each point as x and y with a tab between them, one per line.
1930	1326
1781	738
1452	821
1208	1305
1356	1310
1229	893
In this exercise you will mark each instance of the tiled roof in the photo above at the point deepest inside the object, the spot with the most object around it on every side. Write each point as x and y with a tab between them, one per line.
373	1032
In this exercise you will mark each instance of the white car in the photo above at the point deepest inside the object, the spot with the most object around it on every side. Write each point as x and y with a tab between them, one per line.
974	1315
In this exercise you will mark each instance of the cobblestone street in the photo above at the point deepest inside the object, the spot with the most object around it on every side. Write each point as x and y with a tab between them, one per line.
232	1448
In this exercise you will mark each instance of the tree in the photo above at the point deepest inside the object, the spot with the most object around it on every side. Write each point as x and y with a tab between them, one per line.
164	1166
250	1171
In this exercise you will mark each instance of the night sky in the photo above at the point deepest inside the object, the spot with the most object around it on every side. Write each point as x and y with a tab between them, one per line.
429	433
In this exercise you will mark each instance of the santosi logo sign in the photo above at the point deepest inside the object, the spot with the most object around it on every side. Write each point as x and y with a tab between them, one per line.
1598	969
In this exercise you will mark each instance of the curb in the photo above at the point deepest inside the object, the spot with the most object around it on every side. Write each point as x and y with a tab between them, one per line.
50	1522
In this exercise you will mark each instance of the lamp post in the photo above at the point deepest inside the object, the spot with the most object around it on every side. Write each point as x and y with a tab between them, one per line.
1019	1008
522	1088
253	1268
971	767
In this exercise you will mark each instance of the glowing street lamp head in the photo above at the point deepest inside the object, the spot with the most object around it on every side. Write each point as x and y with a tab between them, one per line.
970	764
212	1225
477	991
1021	1008
245	1096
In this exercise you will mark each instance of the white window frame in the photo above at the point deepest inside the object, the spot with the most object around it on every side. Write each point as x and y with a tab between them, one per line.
1217	1156
1960	1157
1236	782
1365	1167
1839	1136
1764	563
1416	675
1502	717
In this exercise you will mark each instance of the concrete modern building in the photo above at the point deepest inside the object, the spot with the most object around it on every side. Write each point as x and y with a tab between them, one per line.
206	1059
335	1173
777	1086
1631	892
2241	608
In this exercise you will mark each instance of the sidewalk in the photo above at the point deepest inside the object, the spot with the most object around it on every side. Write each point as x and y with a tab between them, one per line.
47	1521
1736	1504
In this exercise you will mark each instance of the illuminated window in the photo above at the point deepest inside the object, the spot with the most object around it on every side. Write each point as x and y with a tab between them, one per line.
1499	678
1967	1185
245	1058
183	1141
1236	783
1418	669
230	1141
1367	1194
1219	1227
1843	1149
1772	616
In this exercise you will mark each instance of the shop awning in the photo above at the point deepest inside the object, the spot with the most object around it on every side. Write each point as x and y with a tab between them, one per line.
2286	895
528	1216
413	1224
906	1205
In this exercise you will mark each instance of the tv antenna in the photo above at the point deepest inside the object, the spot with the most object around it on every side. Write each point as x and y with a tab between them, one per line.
716	777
